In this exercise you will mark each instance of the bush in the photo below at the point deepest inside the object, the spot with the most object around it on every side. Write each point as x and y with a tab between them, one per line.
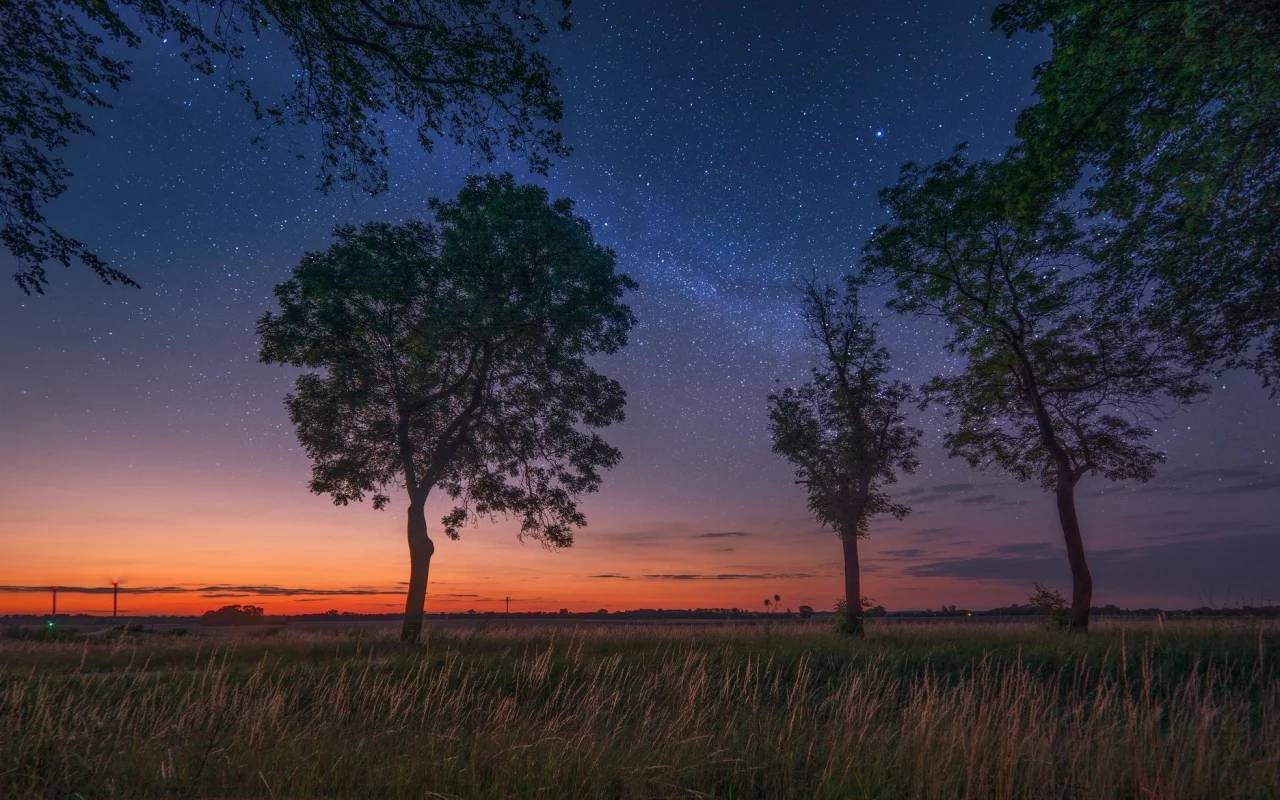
846	624
1052	605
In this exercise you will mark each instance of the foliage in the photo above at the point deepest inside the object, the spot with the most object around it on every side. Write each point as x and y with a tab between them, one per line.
466	70
840	619
455	356
844	431
47	61
1173	110
1050	603
1058	380
234	615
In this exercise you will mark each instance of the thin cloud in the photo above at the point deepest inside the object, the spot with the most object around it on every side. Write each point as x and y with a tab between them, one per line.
214	591
983	493
626	539
985	499
611	575
909	554
1243	479
728	576
1241	563
723	535
1244	488
1208	530
942	491
1025	549
945	532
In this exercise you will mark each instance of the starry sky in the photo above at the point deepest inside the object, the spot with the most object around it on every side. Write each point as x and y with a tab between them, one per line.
724	150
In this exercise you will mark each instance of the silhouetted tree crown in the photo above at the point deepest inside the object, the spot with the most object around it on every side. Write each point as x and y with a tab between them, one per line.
1056	375
1059	378
234	615
466	70
1172	110
844	431
454	355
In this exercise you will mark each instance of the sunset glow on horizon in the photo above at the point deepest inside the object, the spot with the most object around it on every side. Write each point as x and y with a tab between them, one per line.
358	556
180	546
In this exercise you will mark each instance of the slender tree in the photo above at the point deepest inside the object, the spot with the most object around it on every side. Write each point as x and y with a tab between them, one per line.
1173	111
1058	379
466	70
844	430
454	357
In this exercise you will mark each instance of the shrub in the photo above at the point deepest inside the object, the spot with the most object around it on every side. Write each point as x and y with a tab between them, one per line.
1052	605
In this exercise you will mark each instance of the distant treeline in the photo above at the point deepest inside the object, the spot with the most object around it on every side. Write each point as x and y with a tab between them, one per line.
239	616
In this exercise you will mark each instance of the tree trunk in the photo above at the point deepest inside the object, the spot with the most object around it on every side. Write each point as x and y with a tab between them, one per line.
421	548
1081	580
852	583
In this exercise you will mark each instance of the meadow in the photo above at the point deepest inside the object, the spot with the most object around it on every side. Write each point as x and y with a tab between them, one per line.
945	710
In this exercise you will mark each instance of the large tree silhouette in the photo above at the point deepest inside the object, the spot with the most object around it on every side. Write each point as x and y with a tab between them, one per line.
1058	380
1173	112
454	357
466	70
844	430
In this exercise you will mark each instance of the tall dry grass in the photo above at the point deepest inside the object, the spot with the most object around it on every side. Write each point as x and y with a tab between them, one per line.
914	711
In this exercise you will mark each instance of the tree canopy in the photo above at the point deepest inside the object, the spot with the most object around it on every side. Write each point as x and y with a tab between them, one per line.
844	431
1059	378
454	356
466	70
1172	110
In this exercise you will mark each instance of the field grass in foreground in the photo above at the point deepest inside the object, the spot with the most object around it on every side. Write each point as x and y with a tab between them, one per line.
946	710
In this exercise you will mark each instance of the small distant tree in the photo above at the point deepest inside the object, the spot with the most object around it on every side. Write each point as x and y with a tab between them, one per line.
234	615
1058	380
806	612
454	357
844	431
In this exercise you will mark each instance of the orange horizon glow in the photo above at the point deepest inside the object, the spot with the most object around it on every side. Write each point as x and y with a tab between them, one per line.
200	523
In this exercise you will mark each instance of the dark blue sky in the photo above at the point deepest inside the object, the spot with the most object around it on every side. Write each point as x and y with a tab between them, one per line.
724	150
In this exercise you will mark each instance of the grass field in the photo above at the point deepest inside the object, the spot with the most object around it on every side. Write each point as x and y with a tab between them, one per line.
946	710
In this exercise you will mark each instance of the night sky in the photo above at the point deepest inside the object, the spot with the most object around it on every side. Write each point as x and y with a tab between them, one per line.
724	153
